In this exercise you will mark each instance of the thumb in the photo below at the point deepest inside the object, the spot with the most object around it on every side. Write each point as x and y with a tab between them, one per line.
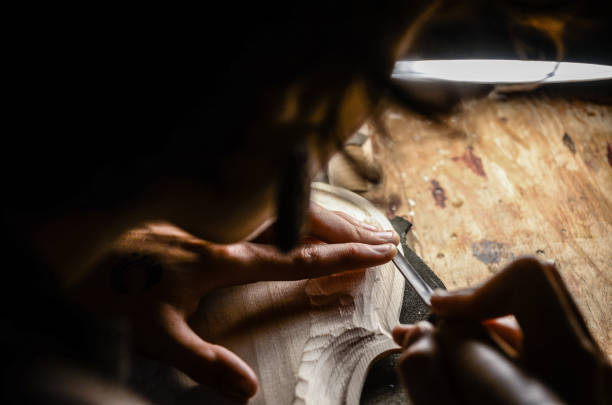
211	365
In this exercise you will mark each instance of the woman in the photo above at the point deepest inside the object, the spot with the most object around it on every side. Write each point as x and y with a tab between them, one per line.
165	148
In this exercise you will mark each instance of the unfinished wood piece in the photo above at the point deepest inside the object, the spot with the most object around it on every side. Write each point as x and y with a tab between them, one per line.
308	341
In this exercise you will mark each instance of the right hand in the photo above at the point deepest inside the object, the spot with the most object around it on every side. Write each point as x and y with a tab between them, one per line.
556	358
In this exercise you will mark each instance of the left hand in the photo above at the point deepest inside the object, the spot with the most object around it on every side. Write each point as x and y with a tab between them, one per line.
156	274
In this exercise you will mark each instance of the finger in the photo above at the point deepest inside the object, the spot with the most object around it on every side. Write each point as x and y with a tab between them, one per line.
422	372
254	262
551	324
528	290
174	342
400	332
405	335
507	329
482	374
338	227
335	227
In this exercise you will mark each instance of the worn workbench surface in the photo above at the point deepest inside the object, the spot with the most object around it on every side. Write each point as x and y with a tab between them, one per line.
526	176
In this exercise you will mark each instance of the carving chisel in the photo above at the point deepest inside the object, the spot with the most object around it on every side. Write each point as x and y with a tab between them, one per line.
406	266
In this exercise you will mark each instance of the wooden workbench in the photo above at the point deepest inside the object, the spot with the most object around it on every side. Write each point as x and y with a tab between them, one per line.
529	175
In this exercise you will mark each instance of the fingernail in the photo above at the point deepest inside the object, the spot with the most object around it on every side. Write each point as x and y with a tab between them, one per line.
369	227
385	235
383	249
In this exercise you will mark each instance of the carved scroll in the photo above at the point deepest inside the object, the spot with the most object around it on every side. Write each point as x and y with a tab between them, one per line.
309	341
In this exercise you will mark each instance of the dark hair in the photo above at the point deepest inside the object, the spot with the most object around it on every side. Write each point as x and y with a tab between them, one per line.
107	100
112	99
118	98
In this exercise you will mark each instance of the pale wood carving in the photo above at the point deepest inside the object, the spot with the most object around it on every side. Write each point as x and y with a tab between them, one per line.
309	341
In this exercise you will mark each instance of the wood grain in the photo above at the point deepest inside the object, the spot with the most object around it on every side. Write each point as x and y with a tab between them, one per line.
527	176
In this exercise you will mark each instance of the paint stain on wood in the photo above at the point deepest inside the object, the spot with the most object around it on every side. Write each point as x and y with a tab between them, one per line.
471	161
438	194
489	251
569	142
609	154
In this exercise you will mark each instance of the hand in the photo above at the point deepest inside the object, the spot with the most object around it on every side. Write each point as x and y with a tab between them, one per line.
156	275
551	357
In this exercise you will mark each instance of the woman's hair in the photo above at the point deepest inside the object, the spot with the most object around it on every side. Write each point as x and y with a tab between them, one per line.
117	98
112	100
106	99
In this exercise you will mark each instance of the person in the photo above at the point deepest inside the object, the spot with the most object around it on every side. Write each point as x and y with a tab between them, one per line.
173	157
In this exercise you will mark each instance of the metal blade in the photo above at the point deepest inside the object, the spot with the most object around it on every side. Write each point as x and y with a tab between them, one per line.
423	290
499	71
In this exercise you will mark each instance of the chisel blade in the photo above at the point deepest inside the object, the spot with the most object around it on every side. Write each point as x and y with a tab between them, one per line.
414	279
